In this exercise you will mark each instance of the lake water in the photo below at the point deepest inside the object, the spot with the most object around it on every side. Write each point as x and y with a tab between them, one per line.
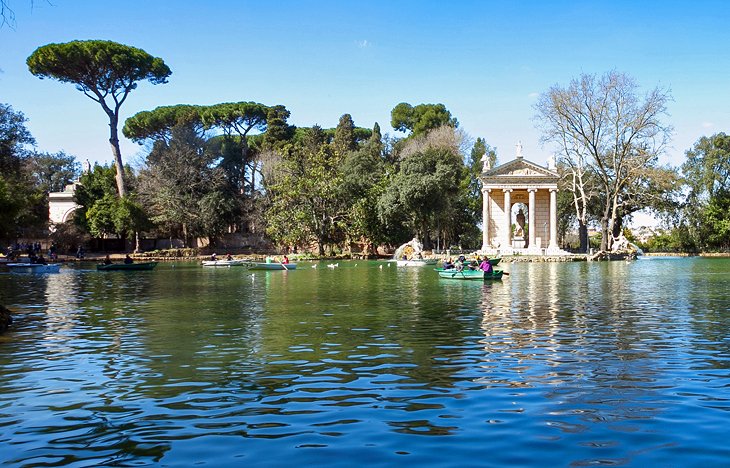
571	364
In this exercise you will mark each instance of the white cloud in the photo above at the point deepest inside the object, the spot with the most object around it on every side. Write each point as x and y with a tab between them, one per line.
707	124
363	44
533	95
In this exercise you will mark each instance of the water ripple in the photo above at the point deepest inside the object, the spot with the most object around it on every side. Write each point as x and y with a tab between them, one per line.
570	364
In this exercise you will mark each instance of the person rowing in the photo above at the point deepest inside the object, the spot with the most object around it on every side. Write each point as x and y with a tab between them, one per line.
485	266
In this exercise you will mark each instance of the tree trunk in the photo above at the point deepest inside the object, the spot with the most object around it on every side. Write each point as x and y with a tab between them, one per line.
136	242
583	236
617	227
114	142
320	248
604	233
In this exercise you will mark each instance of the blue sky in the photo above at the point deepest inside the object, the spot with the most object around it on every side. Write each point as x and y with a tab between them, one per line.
486	61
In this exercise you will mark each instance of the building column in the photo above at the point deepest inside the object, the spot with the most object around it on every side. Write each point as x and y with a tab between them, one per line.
553	219
507	234
485	219
531	218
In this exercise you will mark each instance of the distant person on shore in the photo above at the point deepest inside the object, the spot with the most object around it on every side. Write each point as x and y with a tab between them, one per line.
128	259
107	260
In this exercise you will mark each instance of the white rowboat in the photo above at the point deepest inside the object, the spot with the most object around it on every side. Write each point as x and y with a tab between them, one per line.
34	267
223	262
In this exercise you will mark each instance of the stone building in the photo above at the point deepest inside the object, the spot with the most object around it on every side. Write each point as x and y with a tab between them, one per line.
61	205
515	187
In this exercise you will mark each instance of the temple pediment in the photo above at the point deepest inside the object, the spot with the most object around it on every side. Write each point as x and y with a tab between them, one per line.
520	167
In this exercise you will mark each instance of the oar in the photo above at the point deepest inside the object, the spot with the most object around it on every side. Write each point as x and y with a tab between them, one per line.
462	273
282	264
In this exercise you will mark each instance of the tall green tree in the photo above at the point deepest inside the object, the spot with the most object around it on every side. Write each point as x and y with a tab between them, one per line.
102	212
306	206
420	119
15	139
237	120
344	140
22	203
706	174
104	71
53	171
425	189
183	189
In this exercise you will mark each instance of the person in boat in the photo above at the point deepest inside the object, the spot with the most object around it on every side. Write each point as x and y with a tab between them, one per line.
41	260
485	266
107	260
459	265
285	260
474	264
448	264
128	259
461	258
229	257
213	257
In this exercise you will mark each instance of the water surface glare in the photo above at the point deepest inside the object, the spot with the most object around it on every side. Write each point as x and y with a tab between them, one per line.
574	364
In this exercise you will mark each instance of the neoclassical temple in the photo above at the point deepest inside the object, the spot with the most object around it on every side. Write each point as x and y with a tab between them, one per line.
61	205
516	192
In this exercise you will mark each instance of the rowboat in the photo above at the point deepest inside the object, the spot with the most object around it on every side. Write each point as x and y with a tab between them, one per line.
223	262
270	266
127	266
34	267
467	274
416	262
495	261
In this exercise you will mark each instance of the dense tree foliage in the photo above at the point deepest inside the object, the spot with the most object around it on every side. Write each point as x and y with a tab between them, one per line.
158	123
306	203
424	191
104	71
420	119
102	212
183	190
706	211
53	172
23	205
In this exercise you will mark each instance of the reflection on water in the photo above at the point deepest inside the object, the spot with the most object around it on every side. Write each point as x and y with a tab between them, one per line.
558	364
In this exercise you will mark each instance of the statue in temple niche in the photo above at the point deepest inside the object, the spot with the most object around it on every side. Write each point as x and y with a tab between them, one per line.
520	231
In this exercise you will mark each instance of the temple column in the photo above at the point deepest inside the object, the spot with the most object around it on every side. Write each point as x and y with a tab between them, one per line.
553	219
531	218
485	219
507	234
